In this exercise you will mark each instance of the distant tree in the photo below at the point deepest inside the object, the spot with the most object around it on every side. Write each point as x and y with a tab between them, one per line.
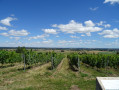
20	49
31	50
62	50
117	52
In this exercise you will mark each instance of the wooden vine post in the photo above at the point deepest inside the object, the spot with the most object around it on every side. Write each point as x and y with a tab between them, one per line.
24	61
29	56
107	63
52	61
78	63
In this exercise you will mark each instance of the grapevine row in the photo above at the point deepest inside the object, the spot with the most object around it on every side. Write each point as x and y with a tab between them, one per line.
29	57
95	60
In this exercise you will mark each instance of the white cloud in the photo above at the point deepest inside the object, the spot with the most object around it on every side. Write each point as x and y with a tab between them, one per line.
89	23
72	43
102	23
16	33
57	36
16	38
50	31
39	37
107	26
94	9
3	28
54	25
74	27
74	36
110	33
94	40
88	34
64	41
111	1
82	35
4	34
47	42
7	21
113	43
12	15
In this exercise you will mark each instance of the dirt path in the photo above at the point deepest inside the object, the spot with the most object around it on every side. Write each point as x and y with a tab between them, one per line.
40	69
74	87
62	67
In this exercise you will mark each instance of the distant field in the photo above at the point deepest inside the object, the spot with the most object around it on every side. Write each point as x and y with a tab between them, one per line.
107	52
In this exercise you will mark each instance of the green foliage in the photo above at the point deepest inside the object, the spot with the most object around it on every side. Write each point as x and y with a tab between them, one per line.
14	57
96	60
73	57
9	57
20	50
30	57
34	58
57	59
4	57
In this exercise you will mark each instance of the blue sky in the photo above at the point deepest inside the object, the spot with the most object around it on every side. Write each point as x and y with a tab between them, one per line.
59	23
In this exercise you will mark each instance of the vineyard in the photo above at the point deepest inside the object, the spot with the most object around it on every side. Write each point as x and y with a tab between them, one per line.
95	60
29	57
9	57
27	69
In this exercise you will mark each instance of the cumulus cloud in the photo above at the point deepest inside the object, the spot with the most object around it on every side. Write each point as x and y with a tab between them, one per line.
93	40
111	1
82	35
64	41
113	43
4	34
12	15
3	28
74	27
54	25
93	9
7	21
50	31
89	23
16	38
110	33
74	36
70	43
16	33
107	25
88	34
103	23
38	37
47	42
57	36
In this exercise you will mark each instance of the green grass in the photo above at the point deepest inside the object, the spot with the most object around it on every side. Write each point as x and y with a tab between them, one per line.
42	78
107	52
83	74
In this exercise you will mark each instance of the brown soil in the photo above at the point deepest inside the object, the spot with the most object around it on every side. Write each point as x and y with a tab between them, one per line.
74	87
